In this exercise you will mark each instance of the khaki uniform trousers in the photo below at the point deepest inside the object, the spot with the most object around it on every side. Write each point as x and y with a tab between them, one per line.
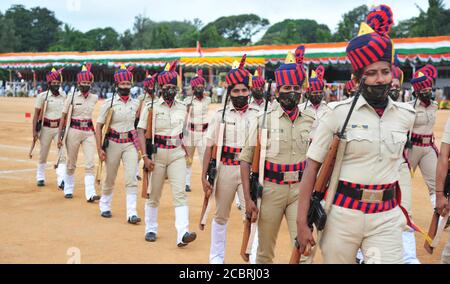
86	139
406	187
195	140
228	183
426	159
170	163
278	201
114	154
379	235
445	258
45	139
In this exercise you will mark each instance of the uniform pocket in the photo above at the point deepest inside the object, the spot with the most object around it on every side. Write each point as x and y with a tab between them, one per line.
421	118
302	140
162	121
359	141
395	142
276	136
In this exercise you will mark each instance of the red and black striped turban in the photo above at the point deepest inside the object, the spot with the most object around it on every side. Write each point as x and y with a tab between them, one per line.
292	71
373	43
316	80
85	75
54	75
149	81
239	75
198	80
169	75
424	77
124	74
258	79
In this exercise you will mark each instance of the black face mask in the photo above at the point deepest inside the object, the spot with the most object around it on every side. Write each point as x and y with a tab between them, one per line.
257	94
148	90
54	89
426	97
315	99
289	101
169	95
239	102
84	89
123	91
199	93
376	95
394	94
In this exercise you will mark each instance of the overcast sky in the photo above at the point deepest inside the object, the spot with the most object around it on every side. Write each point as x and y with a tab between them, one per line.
119	14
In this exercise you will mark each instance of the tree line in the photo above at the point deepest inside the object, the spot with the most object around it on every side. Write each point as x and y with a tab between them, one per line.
38	30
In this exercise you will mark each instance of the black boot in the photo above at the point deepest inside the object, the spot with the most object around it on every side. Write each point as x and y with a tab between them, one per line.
188	188
187	238
61	186
93	199
134	219
150	237
68	196
106	214
40	183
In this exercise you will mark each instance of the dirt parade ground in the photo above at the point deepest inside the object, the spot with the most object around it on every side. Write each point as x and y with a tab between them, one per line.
38	225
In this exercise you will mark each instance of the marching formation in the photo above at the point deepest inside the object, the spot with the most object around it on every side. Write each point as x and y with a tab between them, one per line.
339	173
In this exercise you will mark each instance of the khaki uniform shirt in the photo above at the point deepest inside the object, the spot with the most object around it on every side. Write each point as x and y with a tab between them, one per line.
82	107
54	104
237	125
123	116
319	113
287	142
199	110
446	137
168	120
374	144
425	118
261	106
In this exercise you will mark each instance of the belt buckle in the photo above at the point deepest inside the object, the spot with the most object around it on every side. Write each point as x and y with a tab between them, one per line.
171	142
84	124
123	135
53	124
372	196
290	176
426	140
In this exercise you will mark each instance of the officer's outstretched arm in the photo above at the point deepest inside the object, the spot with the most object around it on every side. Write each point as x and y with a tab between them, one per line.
304	233
62	125
442	204
250	206
141	136
37	113
206	159
306	189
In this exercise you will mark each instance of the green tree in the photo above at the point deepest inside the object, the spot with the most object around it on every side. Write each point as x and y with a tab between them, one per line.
37	28
9	41
103	39
148	34
432	22
296	31
349	25
70	39
237	30
126	40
